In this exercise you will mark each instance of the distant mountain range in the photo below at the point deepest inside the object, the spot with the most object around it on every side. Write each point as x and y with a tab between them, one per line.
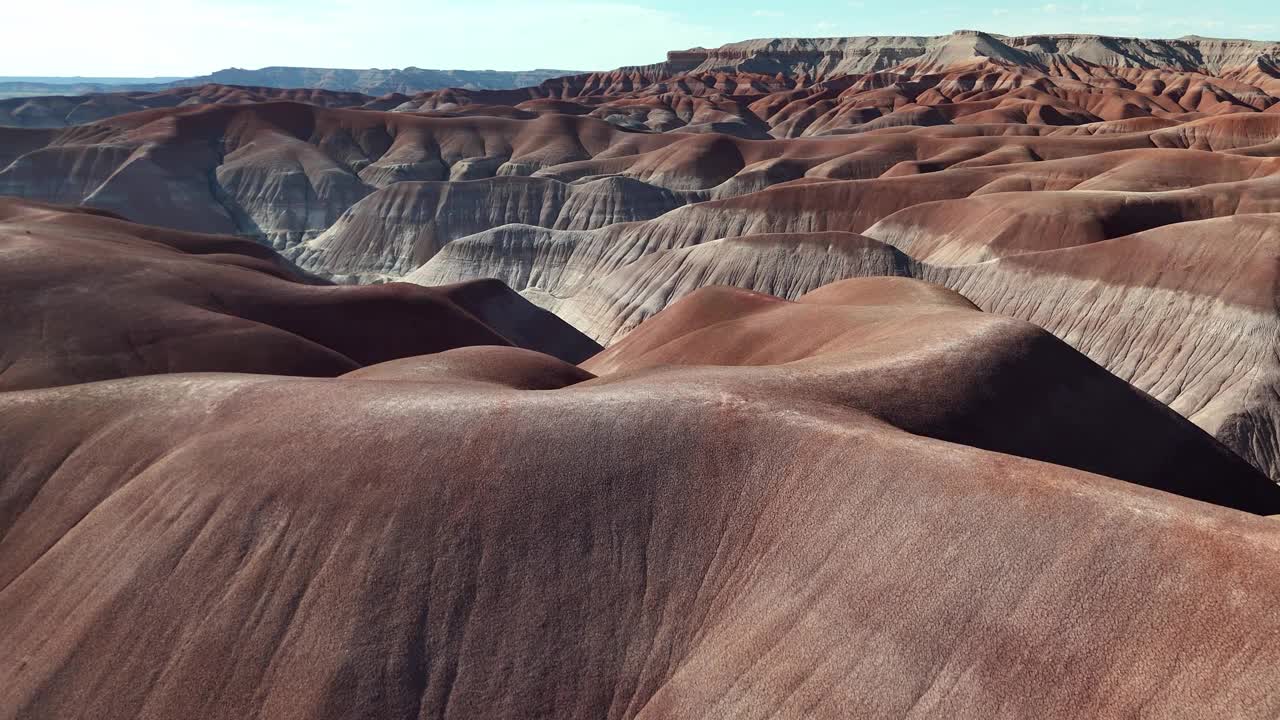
379	82
372	81
35	86
83	80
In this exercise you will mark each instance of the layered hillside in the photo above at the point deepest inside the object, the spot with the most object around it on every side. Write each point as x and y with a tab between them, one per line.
956	159
748	507
860	377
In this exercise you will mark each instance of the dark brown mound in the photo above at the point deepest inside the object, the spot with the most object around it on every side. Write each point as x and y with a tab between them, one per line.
87	297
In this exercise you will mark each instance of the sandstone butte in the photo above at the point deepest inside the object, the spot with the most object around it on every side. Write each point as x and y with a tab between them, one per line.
848	377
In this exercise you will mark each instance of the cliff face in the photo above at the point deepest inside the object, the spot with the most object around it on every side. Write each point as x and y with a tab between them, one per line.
821	58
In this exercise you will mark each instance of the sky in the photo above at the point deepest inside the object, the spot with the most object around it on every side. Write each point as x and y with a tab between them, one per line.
143	38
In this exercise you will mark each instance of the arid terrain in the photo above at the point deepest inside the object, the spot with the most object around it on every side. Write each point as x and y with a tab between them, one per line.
846	377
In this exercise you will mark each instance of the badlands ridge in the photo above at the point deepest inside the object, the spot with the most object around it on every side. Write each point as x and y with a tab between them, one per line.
880	377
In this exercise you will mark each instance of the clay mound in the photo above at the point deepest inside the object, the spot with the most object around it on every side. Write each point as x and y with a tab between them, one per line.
284	172
973	368
290	173
519	321
993	225
754	541
90	297
785	265
397	229
510	367
887	291
1227	133
524	257
1185	312
986	220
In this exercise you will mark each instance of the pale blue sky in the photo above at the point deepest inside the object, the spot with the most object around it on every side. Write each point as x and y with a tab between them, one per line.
189	37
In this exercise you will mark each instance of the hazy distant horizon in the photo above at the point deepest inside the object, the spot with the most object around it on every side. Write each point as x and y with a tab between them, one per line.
188	38
74	79
139	80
